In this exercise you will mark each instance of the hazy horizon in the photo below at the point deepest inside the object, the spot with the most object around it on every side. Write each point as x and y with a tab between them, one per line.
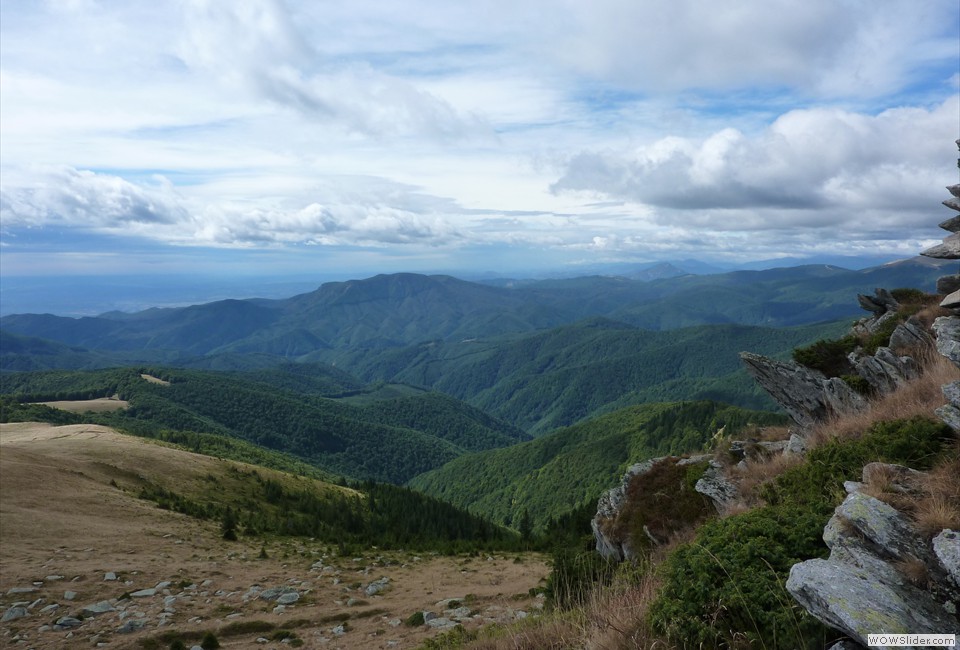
91	295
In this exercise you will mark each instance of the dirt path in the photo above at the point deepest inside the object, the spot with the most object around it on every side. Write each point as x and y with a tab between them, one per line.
64	528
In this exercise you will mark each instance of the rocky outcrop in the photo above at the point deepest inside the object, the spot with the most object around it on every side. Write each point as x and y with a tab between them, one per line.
806	395
862	587
611	546
611	542
880	303
949	250
885	371
950	412
910	334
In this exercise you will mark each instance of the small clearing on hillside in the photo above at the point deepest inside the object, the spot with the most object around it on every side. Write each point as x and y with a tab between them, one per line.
99	405
154	380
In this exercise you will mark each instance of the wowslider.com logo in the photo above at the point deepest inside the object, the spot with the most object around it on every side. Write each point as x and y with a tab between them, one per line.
901	640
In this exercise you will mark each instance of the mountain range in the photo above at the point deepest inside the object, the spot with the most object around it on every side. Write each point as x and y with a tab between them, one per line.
388	311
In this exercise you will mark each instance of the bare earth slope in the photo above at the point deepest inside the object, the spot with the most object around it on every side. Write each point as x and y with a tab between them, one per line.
65	528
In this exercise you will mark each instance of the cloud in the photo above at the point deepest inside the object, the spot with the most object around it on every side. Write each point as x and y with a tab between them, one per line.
810	168
257	47
70	197
819	47
355	211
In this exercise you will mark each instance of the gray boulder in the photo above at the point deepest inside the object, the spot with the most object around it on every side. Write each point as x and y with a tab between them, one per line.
715	485
288	598
946	546
96	609
952	301
274	593
880	303
13	614
132	625
948	283
948	337
66	623
948	250
859	589
796	445
910	334
885	371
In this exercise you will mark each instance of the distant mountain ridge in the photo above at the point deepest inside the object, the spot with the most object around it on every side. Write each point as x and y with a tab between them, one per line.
392	311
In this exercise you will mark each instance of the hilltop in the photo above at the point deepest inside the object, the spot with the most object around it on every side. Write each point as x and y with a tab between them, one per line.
94	561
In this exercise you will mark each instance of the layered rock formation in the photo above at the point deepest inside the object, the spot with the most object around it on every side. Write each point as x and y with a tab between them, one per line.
949	250
810	397
881	575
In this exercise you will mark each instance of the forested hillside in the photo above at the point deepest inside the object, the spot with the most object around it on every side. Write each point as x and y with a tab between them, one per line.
557	377
389	440
557	473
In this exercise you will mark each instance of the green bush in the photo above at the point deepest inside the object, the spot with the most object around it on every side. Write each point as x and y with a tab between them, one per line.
415	620
209	641
829	357
910	296
881	337
726	588
858	383
575	574
818	483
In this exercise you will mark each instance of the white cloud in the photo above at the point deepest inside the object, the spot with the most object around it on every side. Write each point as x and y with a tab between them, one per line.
256	46
363	212
823	48
809	168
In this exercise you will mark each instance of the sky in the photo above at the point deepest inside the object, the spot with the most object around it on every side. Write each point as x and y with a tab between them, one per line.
274	137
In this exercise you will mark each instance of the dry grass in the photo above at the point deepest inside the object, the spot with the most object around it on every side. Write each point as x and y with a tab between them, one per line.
939	506
756	473
918	397
930	313
546	633
934	514
892	487
617	618
915	571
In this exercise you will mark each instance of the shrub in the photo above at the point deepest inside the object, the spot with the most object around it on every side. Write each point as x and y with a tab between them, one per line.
575	575
829	357
858	383
726	588
910	296
415	620
209	641
881	337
